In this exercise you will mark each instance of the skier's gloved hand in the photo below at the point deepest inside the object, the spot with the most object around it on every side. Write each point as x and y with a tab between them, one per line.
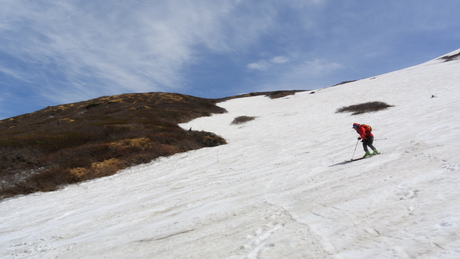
359	138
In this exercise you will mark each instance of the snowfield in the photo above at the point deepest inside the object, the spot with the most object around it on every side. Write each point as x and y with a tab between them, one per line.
279	188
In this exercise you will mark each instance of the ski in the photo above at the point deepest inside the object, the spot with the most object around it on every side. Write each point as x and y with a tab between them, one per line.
353	160
361	158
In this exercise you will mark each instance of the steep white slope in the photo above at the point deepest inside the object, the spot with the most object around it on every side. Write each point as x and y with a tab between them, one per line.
279	189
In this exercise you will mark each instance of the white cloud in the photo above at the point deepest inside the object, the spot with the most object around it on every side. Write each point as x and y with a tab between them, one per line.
319	67
279	60
263	65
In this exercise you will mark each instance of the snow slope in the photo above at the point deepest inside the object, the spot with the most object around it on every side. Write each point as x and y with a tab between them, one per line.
279	188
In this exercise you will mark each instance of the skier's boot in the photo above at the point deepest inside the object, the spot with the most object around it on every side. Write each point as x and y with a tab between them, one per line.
375	152
367	154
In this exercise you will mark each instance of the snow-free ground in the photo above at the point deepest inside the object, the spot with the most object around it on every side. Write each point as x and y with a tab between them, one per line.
279	188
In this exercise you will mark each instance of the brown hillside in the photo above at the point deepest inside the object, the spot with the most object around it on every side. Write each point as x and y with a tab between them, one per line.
64	144
75	142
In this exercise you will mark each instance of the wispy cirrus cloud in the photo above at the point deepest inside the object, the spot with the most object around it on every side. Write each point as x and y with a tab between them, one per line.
319	67
69	50
96	48
279	60
263	65
260	65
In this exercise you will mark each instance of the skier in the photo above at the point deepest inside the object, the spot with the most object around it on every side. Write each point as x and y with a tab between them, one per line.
365	134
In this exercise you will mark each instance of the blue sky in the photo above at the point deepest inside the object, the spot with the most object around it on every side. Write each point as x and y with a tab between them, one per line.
56	52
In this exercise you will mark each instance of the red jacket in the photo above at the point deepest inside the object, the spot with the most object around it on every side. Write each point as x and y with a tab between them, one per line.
363	132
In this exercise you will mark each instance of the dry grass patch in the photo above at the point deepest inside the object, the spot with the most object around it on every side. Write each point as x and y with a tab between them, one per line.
243	119
364	108
106	167
271	95
450	57
79	172
142	143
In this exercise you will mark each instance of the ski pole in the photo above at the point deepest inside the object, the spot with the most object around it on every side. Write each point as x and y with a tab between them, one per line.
355	149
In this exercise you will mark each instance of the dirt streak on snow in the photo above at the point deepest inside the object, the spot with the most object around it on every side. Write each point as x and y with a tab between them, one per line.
279	189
